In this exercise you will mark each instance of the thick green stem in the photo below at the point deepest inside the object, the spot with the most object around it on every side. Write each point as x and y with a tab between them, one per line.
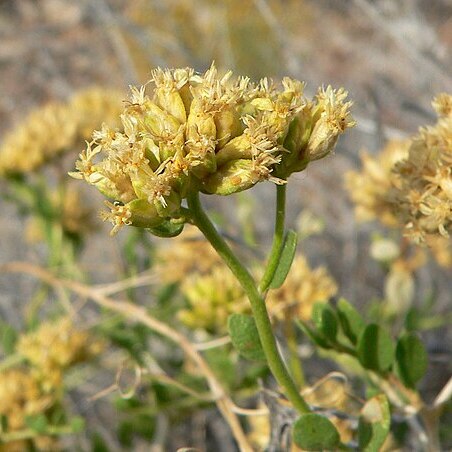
278	238
264	328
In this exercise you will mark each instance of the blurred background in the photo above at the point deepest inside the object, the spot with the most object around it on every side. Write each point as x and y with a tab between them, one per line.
392	56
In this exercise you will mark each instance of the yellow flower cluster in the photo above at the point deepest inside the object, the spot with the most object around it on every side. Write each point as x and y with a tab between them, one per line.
369	187
189	253
422	186
35	388
213	293
54	347
212	298
409	185
210	133
302	288
22	396
56	128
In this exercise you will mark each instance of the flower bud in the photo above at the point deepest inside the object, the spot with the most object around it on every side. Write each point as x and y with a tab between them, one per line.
228	125
171	101
241	174
168	205
159	122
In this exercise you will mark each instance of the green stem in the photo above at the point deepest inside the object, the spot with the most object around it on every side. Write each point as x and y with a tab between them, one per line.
294	360
51	430
278	238
264	328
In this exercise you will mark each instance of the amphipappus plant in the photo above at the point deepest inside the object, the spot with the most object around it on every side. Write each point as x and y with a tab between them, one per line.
236	304
206	133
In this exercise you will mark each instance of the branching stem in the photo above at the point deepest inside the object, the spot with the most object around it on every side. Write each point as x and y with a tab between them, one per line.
264	327
278	238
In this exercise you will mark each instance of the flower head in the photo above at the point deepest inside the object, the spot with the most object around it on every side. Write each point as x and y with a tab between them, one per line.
207	132
56	128
54	347
409	185
369	187
422	186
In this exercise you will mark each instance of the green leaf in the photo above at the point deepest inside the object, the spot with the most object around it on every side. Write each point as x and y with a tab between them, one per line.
244	336
375	348
285	260
219	359
413	319
9	338
125	434
77	424
412	359
167	229
315	432
313	335
98	444
144	425
37	422
374	424
3	423
325	321
350	320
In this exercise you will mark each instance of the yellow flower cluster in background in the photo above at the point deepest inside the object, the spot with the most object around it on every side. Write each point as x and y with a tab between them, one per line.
210	133
422	188
184	255
58	127
212	298
302	288
409	185
20	396
212	293
54	347
35	387
369	187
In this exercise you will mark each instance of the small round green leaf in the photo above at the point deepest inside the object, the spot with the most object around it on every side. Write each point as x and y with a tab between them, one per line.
412	359
375	348
350	320
315	432
324	319
374	424
244	337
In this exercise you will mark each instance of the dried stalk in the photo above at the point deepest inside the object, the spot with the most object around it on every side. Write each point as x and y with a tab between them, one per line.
139	314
